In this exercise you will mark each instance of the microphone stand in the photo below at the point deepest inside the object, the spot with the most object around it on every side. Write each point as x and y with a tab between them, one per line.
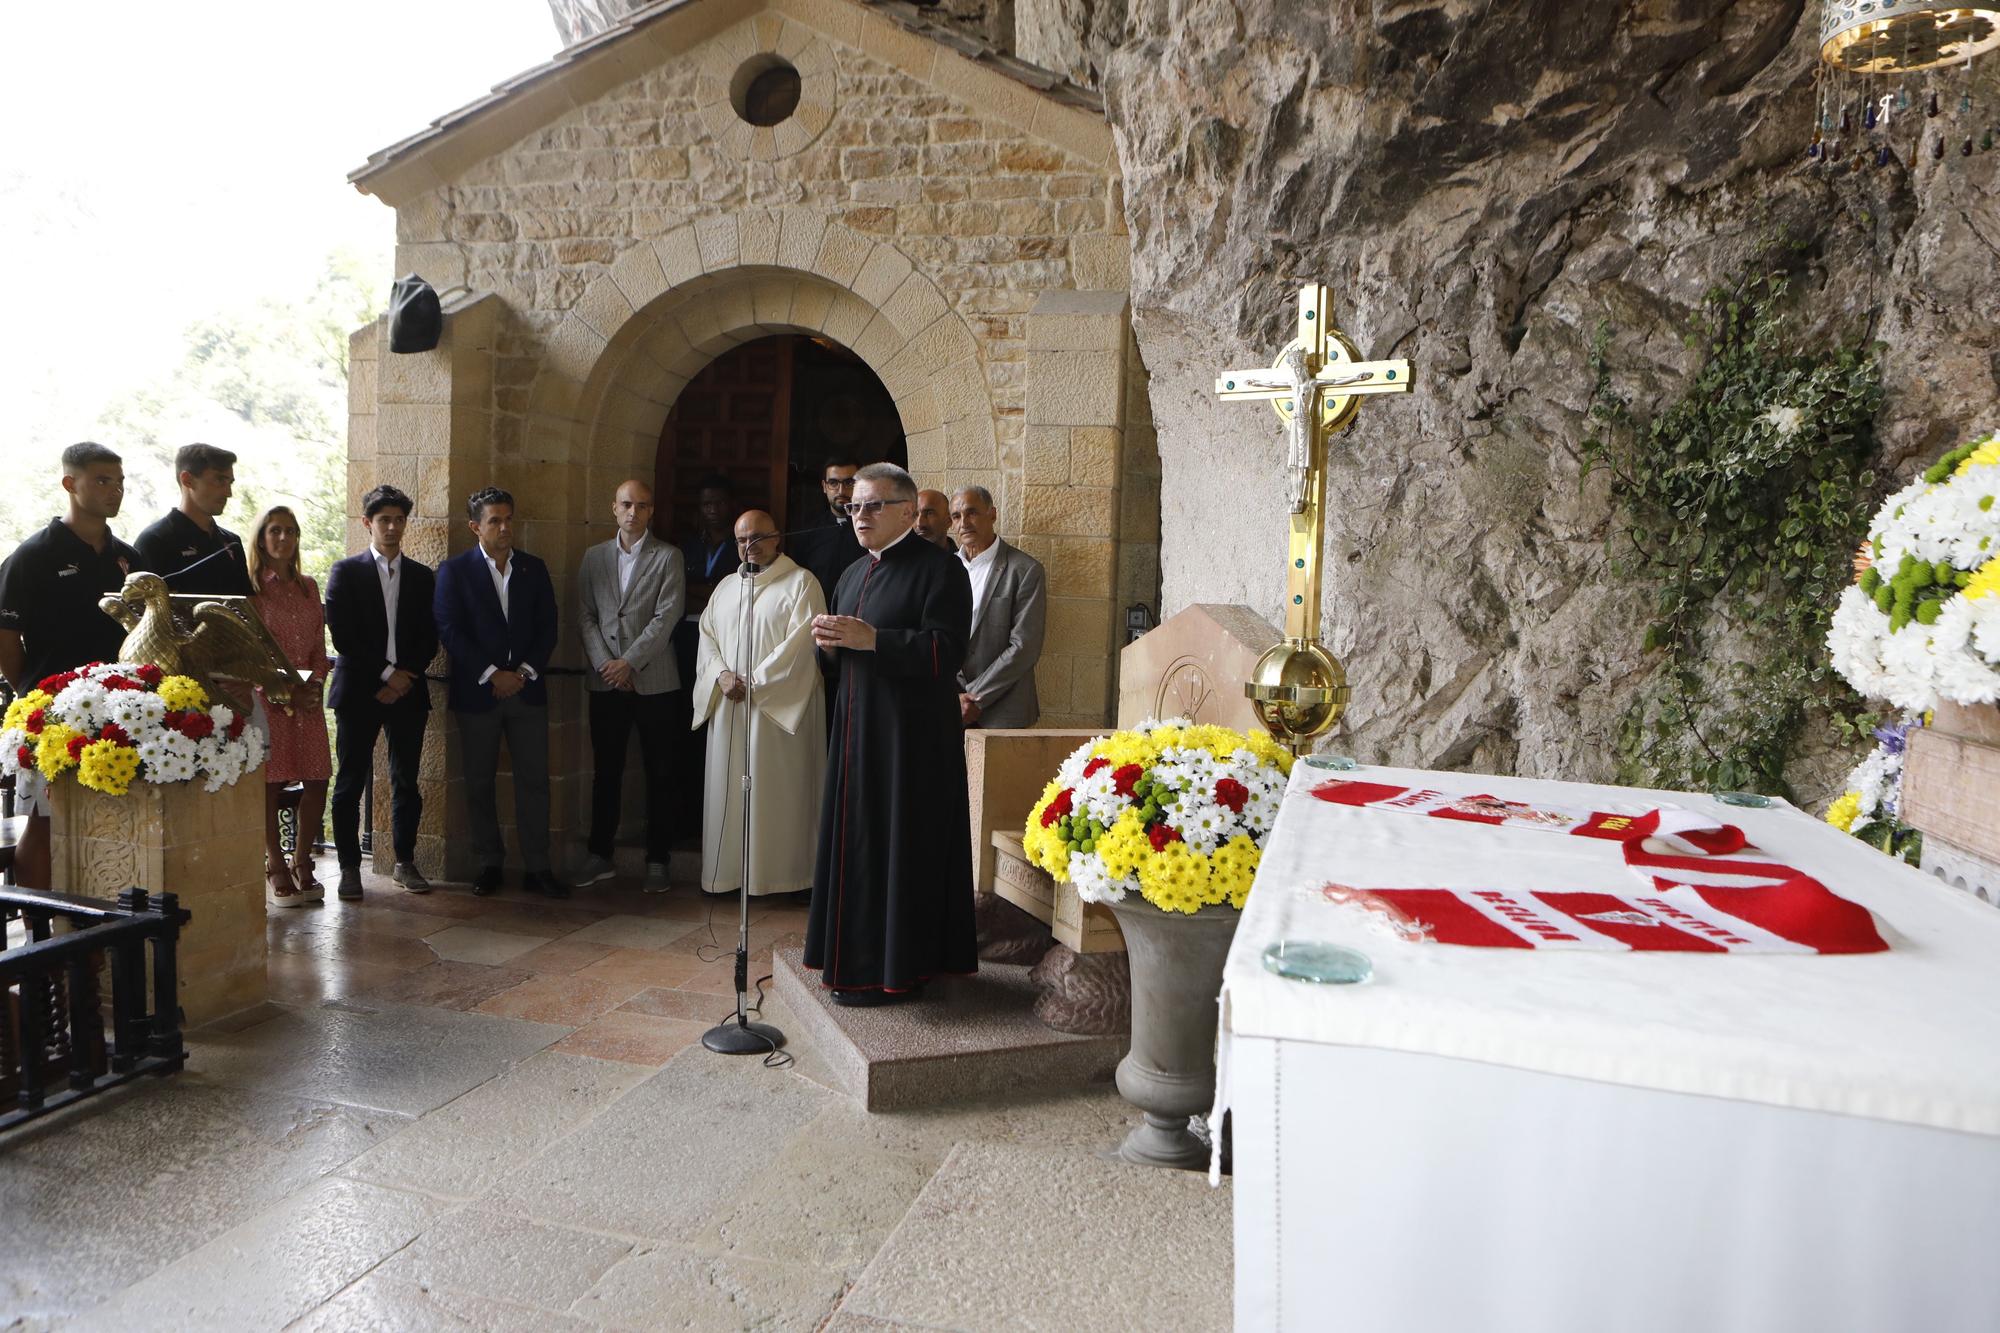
740	1036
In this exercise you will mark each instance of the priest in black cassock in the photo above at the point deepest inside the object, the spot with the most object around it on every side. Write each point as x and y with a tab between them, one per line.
892	890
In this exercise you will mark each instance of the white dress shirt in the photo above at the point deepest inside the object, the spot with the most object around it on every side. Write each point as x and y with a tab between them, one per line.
979	569
386	571
628	561
501	578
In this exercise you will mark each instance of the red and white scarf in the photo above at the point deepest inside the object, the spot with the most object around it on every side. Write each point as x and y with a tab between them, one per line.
1707	890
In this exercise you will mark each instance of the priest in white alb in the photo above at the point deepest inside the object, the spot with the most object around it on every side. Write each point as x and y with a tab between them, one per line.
758	680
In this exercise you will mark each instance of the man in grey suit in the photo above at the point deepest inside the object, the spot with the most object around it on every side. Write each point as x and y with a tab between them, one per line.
1009	604
632	589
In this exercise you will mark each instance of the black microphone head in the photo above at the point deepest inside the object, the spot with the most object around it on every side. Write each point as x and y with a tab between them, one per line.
749	569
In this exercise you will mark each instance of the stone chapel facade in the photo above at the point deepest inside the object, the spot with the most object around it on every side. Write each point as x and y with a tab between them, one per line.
614	222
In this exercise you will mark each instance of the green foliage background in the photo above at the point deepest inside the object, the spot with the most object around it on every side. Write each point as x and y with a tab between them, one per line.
267	380
1744	519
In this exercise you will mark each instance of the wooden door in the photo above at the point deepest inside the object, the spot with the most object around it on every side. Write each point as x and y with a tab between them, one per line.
733	419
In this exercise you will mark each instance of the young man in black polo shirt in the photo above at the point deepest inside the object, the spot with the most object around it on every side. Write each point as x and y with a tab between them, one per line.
188	548
49	621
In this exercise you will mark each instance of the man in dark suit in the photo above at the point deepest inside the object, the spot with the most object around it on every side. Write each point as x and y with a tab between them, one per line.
496	614
378	608
825	545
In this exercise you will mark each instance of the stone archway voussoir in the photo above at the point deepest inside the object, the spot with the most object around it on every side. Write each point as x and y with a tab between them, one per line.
679	255
639	276
573	348
605	307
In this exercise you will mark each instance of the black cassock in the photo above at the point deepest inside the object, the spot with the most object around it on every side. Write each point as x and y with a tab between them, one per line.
892	891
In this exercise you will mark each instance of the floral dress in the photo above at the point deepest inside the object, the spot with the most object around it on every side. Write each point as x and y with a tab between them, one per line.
291	610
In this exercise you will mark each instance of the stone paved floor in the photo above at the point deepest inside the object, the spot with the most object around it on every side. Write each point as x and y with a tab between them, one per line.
496	1114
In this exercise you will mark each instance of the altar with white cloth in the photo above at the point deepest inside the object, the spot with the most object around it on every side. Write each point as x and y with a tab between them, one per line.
1561	1138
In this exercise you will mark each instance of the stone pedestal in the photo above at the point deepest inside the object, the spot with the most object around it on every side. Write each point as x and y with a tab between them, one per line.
1951	791
206	847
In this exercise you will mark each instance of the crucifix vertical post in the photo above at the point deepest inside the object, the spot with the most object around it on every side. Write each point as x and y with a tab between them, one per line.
1300	689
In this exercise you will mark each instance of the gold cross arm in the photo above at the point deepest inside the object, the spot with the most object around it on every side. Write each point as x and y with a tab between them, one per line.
1339	379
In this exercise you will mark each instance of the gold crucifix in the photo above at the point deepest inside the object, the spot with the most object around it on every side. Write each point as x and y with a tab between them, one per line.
1299	688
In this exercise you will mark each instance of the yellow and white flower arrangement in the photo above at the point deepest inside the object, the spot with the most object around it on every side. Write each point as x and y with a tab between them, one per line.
1921	624
116	722
1175	811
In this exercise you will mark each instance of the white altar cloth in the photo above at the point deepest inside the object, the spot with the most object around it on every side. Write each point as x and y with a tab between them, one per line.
1503	1138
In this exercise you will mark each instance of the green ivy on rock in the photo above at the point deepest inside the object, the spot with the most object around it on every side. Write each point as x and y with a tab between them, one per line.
1741	502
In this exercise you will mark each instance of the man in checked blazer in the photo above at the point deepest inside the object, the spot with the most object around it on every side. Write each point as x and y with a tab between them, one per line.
1009	605
633	589
378	607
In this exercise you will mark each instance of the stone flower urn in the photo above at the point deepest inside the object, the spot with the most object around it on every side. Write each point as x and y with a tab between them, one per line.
1169	1073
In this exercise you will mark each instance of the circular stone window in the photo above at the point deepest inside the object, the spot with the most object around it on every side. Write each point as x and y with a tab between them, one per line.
765	90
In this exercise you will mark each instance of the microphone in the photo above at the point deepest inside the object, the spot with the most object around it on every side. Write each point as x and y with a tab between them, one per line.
749	569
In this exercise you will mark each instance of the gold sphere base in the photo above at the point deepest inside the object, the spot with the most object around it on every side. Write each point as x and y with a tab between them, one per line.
1298	691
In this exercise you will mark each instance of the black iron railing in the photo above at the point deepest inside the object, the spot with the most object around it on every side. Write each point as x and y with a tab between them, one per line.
53	1048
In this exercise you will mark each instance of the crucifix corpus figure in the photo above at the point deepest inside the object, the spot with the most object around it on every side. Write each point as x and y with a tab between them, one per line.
1317	385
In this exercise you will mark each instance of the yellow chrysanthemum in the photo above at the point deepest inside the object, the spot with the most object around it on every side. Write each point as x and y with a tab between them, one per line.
1844	811
1124	845
1986	455
108	767
1233	867
52	749
1043	846
182	694
1985	582
22	708
1174	879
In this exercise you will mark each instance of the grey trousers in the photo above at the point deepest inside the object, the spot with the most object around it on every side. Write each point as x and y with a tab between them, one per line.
526	727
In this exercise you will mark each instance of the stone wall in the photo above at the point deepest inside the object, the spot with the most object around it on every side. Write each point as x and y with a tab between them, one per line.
1484	185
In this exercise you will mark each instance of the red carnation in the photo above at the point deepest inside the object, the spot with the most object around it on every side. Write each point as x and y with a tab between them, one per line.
1124	778
235	727
121	683
25	756
34	722
151	674
1230	792
1060	807
1096	766
111	731
1162	834
75	747
194	726
57	683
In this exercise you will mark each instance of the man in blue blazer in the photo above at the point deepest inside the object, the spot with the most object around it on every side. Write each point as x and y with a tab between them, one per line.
378	606
496	613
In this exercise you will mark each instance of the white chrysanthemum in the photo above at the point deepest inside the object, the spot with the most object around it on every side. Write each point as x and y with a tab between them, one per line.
81	704
136	711
10	749
1908	671
1959	668
1854	642
1094	883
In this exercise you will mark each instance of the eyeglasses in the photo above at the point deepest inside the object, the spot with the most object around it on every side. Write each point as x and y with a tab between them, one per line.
745	543
870	508
838	483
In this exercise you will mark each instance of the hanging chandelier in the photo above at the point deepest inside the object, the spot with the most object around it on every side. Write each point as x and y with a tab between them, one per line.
1867	110
1901	36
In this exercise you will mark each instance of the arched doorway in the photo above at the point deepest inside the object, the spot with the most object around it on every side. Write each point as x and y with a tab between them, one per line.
765	415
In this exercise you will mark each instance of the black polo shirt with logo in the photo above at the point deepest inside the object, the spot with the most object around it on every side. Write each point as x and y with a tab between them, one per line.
49	590
174	543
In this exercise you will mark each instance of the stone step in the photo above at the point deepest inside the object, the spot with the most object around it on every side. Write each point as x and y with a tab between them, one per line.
968	1038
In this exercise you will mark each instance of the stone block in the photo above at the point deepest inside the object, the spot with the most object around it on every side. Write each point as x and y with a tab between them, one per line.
1082	625
1090	686
771	302
986	90
1077	132
800	232
811	303
1194	664
415	377
679	255
731	305
1079	566
926	451
718	240
1094	455
1068	511
1079	321
1045	458
639	276
572	348
362	381
1075	388
914	305
1100	263
847	318
969	444
842	252
895	45
881	275
789	136
433	492
413	429
604	306
361	436
835	18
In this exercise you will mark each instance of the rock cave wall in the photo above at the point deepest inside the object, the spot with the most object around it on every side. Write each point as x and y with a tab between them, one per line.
1483	184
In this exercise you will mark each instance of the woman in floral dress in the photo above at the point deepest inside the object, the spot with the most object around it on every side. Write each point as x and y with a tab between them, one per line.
289	604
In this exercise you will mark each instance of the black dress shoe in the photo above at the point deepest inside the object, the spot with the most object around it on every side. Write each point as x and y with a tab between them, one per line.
544	883
863	999
487	882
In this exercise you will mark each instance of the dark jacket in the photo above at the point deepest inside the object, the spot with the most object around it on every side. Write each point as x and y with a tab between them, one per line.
476	636
360	627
